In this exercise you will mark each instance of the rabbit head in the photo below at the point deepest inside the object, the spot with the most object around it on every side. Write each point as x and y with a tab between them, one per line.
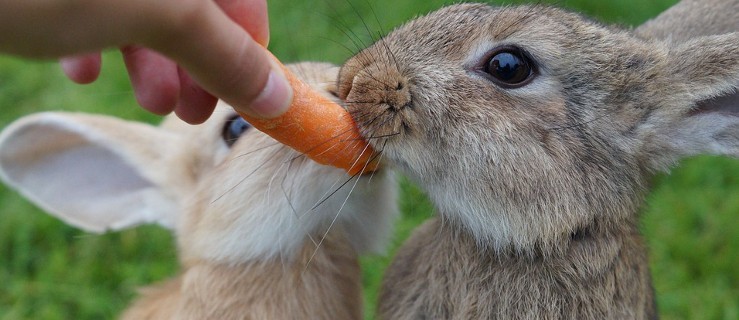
230	192
526	124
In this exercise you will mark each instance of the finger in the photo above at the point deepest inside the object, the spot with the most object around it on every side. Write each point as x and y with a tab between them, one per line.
250	15
82	69
228	63
154	79
195	104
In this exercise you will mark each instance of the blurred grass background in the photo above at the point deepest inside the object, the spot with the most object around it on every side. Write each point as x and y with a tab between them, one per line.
51	271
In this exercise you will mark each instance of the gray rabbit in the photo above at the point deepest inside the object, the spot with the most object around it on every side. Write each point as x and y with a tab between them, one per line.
535	132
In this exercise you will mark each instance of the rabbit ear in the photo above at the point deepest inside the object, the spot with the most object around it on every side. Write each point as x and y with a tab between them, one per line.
93	172
707	67
701	108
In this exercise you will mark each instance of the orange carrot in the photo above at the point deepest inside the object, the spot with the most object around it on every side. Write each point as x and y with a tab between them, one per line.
320	129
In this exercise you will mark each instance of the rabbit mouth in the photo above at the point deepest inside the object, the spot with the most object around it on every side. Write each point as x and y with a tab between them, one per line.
379	122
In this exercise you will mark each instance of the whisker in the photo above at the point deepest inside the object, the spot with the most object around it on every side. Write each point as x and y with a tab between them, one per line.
360	102
364	22
275	144
377	137
324	196
380	154
342	45
333	221
343	204
350	34
289	202
324	199
338	137
364	169
274	154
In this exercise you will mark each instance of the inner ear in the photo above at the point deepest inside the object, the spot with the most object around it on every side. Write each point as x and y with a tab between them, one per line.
724	104
94	172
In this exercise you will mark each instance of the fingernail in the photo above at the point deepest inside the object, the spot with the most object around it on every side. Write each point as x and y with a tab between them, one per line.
275	98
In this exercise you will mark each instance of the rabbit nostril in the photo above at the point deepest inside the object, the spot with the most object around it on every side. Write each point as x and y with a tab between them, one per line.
399	97
376	84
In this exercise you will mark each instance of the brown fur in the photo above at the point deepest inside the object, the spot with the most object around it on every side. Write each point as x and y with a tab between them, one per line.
468	282
693	18
262	231
538	187
315	282
328	286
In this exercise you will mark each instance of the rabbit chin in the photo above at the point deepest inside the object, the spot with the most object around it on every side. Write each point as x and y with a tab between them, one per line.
237	226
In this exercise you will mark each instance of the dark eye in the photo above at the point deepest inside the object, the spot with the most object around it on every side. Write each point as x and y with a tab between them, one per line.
509	67
233	129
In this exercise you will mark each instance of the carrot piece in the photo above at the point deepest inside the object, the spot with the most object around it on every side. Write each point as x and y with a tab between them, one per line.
319	128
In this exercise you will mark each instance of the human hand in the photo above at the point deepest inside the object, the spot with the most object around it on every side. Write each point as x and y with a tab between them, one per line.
177	51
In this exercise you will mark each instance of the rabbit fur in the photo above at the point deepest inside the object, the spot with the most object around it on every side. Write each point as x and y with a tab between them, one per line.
538	186
260	232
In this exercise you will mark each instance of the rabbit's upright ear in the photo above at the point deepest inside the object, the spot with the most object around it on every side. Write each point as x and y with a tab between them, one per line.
700	101
707	67
93	172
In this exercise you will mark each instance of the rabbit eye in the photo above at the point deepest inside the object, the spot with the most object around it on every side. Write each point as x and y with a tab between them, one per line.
509	67
233	129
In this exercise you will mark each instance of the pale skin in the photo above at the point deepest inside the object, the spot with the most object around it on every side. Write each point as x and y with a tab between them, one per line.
180	54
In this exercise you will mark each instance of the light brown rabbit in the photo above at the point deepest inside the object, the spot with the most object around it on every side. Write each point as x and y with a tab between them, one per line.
535	132
263	232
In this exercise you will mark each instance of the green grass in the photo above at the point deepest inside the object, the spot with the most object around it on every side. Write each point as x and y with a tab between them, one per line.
51	271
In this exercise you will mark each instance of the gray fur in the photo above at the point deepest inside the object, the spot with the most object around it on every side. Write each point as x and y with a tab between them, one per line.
538	188
692	18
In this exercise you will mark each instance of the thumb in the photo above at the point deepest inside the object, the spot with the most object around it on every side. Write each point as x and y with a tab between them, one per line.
221	56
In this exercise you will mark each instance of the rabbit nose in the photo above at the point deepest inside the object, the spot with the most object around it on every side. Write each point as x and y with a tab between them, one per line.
398	96
381	86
